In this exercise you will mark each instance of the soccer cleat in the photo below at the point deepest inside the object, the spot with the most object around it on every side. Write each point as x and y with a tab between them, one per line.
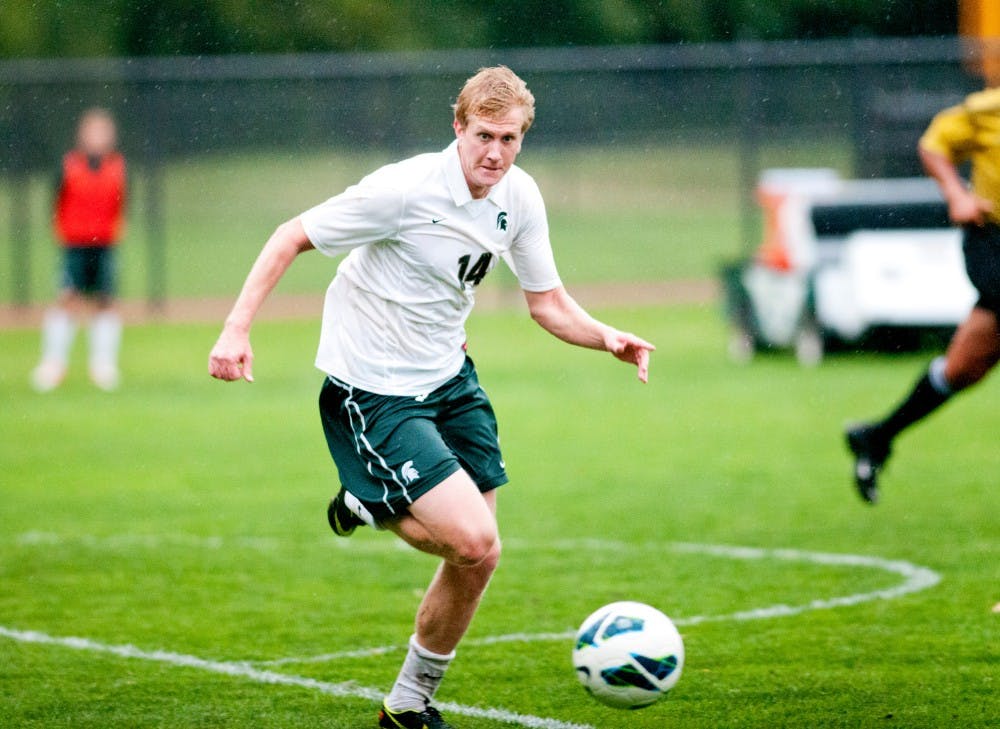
105	376
429	718
870	454
47	376
342	520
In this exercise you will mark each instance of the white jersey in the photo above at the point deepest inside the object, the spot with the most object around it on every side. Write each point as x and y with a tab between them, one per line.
394	315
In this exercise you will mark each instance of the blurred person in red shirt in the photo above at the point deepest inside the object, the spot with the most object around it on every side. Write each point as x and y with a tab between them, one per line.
88	217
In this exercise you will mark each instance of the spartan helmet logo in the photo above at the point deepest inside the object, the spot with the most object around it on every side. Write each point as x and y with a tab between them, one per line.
502	221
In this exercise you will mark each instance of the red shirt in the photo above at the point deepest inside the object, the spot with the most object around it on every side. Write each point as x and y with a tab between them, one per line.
90	205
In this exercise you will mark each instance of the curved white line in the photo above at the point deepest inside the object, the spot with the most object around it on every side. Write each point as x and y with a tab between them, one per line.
915	579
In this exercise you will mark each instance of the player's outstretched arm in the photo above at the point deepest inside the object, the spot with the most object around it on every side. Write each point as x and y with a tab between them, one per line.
559	314
232	357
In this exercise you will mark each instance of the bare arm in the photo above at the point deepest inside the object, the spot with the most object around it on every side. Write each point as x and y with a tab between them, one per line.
231	357
964	206
559	314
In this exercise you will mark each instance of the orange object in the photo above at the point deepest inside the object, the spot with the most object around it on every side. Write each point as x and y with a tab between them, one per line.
773	251
979	23
89	208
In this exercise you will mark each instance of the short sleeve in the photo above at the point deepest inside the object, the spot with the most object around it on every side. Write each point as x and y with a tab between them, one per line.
363	213
951	133
531	255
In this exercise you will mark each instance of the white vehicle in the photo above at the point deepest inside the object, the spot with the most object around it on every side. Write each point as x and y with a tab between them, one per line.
843	260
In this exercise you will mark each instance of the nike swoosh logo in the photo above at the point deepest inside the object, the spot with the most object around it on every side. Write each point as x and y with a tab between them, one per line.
435	221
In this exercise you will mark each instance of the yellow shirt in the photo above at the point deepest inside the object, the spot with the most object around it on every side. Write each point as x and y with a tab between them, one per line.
971	131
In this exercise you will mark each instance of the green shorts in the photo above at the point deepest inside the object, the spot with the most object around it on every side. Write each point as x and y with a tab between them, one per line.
90	270
391	450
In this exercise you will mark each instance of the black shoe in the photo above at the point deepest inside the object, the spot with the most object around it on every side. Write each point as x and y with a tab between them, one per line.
870	453
429	718
342	520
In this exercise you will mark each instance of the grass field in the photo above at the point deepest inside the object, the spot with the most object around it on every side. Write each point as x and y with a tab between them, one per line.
165	562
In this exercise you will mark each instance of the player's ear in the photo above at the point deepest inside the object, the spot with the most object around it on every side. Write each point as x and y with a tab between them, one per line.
459	129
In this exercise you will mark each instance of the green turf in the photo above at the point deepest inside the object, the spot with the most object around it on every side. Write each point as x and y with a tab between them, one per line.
186	515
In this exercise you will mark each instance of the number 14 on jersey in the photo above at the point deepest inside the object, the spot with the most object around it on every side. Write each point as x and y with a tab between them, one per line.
478	270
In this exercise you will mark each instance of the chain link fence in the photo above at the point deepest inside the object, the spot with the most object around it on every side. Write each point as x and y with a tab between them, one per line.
691	121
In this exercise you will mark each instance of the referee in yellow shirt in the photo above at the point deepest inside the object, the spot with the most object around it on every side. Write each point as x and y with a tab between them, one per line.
967	132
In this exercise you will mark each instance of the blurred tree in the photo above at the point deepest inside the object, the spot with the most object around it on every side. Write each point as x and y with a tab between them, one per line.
173	27
71	28
321	25
32	28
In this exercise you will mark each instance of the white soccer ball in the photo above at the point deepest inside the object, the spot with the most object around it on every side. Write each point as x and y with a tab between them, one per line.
628	655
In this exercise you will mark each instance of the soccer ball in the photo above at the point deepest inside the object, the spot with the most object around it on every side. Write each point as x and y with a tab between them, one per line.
628	655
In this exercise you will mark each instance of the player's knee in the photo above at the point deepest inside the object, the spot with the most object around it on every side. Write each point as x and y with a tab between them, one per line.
492	559
478	549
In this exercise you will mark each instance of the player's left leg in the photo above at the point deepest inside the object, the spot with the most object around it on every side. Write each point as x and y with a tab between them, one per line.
105	342
456	522
106	324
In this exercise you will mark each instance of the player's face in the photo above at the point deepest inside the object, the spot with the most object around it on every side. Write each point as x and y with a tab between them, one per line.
488	148
96	135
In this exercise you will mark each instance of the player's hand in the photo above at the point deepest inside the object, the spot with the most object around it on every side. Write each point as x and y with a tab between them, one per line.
968	208
630	348
231	358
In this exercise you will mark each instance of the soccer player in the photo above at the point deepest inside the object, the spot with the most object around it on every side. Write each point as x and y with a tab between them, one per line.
412	433
88	216
957	134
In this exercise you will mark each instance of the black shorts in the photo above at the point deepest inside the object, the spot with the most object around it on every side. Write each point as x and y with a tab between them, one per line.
390	450
981	245
91	270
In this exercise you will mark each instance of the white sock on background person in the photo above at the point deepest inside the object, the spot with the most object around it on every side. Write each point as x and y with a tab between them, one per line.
58	332
105	341
418	679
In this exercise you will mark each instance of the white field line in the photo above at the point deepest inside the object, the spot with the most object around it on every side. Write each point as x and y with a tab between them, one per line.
196	541
242	670
915	579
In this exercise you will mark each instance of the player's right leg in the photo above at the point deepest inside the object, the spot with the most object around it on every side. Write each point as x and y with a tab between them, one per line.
58	332
871	443
974	350
972	353
59	324
345	513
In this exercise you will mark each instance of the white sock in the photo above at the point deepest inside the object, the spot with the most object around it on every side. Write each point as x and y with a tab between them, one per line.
58	331
418	679
105	341
354	504
935	373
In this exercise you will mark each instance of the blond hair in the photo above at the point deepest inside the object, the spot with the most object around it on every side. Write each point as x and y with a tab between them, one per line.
491	94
